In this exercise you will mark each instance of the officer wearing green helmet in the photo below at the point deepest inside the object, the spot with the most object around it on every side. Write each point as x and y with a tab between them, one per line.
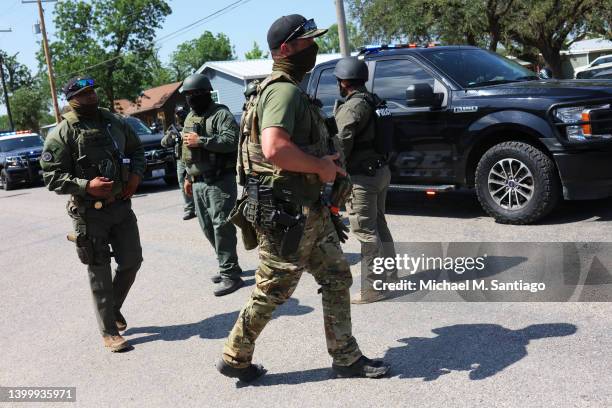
209	151
96	157
356	138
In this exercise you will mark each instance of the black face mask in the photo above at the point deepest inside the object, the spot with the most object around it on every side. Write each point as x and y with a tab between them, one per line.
199	103
297	65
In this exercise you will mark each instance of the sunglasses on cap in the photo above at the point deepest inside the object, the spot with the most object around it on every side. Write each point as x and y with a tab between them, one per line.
81	83
306	26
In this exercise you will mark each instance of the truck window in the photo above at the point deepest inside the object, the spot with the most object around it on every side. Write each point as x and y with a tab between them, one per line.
392	77
327	89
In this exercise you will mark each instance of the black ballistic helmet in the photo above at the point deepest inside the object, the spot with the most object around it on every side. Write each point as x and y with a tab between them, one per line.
251	89
196	82
351	68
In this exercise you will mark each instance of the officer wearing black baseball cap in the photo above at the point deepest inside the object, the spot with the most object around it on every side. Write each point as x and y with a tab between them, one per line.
77	85
281	156
96	157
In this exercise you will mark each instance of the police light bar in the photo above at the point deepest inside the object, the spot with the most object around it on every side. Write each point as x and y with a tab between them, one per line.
370	49
19	132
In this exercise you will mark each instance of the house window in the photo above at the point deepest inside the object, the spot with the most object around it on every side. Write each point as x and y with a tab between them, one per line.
215	96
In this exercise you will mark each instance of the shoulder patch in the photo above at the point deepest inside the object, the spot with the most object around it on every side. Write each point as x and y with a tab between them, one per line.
46	156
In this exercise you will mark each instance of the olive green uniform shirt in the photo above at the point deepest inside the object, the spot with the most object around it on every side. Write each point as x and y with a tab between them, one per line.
355	126
219	133
60	152
282	105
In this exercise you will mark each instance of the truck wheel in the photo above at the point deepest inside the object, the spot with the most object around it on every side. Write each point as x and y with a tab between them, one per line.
6	184
517	183
171	180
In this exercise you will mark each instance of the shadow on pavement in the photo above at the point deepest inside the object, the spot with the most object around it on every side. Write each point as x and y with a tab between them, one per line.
215	327
482	349
465	205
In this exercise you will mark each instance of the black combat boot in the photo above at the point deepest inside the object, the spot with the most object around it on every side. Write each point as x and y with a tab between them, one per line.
364	367
227	286
216	278
246	374
188	216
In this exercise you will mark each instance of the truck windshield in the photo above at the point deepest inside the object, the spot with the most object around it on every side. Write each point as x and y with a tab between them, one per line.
8	145
473	68
138	126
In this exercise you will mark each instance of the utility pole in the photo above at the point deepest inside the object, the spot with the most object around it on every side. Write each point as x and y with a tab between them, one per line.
342	35
6	98
43	30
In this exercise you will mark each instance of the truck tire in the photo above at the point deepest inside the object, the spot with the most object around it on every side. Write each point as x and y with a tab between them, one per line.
517	183
171	180
6	184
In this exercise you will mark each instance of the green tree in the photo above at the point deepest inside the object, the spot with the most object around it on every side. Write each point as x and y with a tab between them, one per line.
29	106
111	40
470	22
256	52
330	42
551	26
191	55
158	73
15	73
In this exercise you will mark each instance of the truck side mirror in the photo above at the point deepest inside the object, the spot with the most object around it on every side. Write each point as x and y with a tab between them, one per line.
422	94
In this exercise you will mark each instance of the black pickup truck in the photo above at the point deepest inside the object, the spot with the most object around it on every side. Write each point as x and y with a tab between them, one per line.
466	117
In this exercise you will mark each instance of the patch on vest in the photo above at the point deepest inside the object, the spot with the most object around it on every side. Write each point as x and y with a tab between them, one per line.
46	156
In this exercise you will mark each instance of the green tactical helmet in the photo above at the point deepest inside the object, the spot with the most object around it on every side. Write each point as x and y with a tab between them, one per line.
251	88
196	82
351	68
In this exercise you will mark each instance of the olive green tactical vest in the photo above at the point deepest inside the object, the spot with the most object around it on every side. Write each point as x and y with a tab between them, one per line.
300	188
198	159
102	146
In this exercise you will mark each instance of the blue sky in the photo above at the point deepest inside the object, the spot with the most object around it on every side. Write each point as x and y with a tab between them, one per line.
243	25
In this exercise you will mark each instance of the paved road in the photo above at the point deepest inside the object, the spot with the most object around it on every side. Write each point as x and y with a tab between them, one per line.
443	354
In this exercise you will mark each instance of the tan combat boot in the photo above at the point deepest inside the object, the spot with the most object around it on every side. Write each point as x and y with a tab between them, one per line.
115	343
368	296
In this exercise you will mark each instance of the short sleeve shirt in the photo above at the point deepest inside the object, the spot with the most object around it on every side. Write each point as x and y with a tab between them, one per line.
283	105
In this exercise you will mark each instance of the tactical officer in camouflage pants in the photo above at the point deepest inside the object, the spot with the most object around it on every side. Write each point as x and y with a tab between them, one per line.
368	170
210	142
96	157
172	138
284	155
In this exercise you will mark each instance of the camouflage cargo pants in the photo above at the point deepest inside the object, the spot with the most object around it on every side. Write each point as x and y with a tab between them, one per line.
366	213
276	279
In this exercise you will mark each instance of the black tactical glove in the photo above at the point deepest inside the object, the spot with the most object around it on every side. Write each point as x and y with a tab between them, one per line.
341	229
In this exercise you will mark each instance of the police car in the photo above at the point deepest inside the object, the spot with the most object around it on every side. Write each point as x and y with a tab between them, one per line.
19	158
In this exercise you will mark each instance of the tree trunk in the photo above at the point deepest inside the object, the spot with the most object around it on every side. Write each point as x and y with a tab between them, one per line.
552	57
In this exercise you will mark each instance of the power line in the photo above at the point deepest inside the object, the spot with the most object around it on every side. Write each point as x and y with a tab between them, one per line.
172	35
205	19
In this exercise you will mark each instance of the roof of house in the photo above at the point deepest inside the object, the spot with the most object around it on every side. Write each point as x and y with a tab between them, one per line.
252	69
586	46
153	98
